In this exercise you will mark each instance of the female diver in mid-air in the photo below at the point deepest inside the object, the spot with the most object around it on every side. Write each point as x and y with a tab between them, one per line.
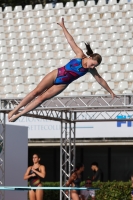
57	80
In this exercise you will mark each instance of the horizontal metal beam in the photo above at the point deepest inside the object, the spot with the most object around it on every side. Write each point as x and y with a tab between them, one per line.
102	120
47	117
12	188
106	143
87	108
77	102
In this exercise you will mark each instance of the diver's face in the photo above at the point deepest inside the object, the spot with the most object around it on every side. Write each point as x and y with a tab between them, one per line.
93	168
91	63
35	159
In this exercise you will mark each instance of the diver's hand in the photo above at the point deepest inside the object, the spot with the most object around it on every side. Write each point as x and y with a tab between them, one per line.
114	95
61	23
33	174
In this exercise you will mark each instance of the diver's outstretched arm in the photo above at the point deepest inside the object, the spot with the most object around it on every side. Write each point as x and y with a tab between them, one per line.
79	53
102	82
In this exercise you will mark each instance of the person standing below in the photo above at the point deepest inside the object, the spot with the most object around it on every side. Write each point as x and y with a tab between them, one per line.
74	180
34	174
85	194
98	174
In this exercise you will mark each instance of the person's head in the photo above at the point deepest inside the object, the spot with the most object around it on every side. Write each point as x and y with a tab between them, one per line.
79	167
94	166
94	58
36	158
88	182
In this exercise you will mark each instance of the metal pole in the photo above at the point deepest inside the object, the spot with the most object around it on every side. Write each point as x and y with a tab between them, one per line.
61	156
65	157
74	137
70	158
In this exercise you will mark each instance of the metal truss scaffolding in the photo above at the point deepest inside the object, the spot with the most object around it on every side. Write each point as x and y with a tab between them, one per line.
67	151
69	110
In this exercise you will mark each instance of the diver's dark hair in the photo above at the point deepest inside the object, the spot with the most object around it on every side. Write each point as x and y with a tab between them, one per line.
94	56
94	163
38	155
88	48
78	166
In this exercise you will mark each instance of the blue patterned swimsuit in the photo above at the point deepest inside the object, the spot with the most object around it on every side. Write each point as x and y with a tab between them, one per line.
70	72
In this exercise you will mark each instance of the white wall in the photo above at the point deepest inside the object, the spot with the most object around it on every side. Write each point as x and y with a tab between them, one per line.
16	160
41	128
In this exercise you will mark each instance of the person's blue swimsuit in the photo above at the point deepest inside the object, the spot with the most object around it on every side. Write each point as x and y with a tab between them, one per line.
70	72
